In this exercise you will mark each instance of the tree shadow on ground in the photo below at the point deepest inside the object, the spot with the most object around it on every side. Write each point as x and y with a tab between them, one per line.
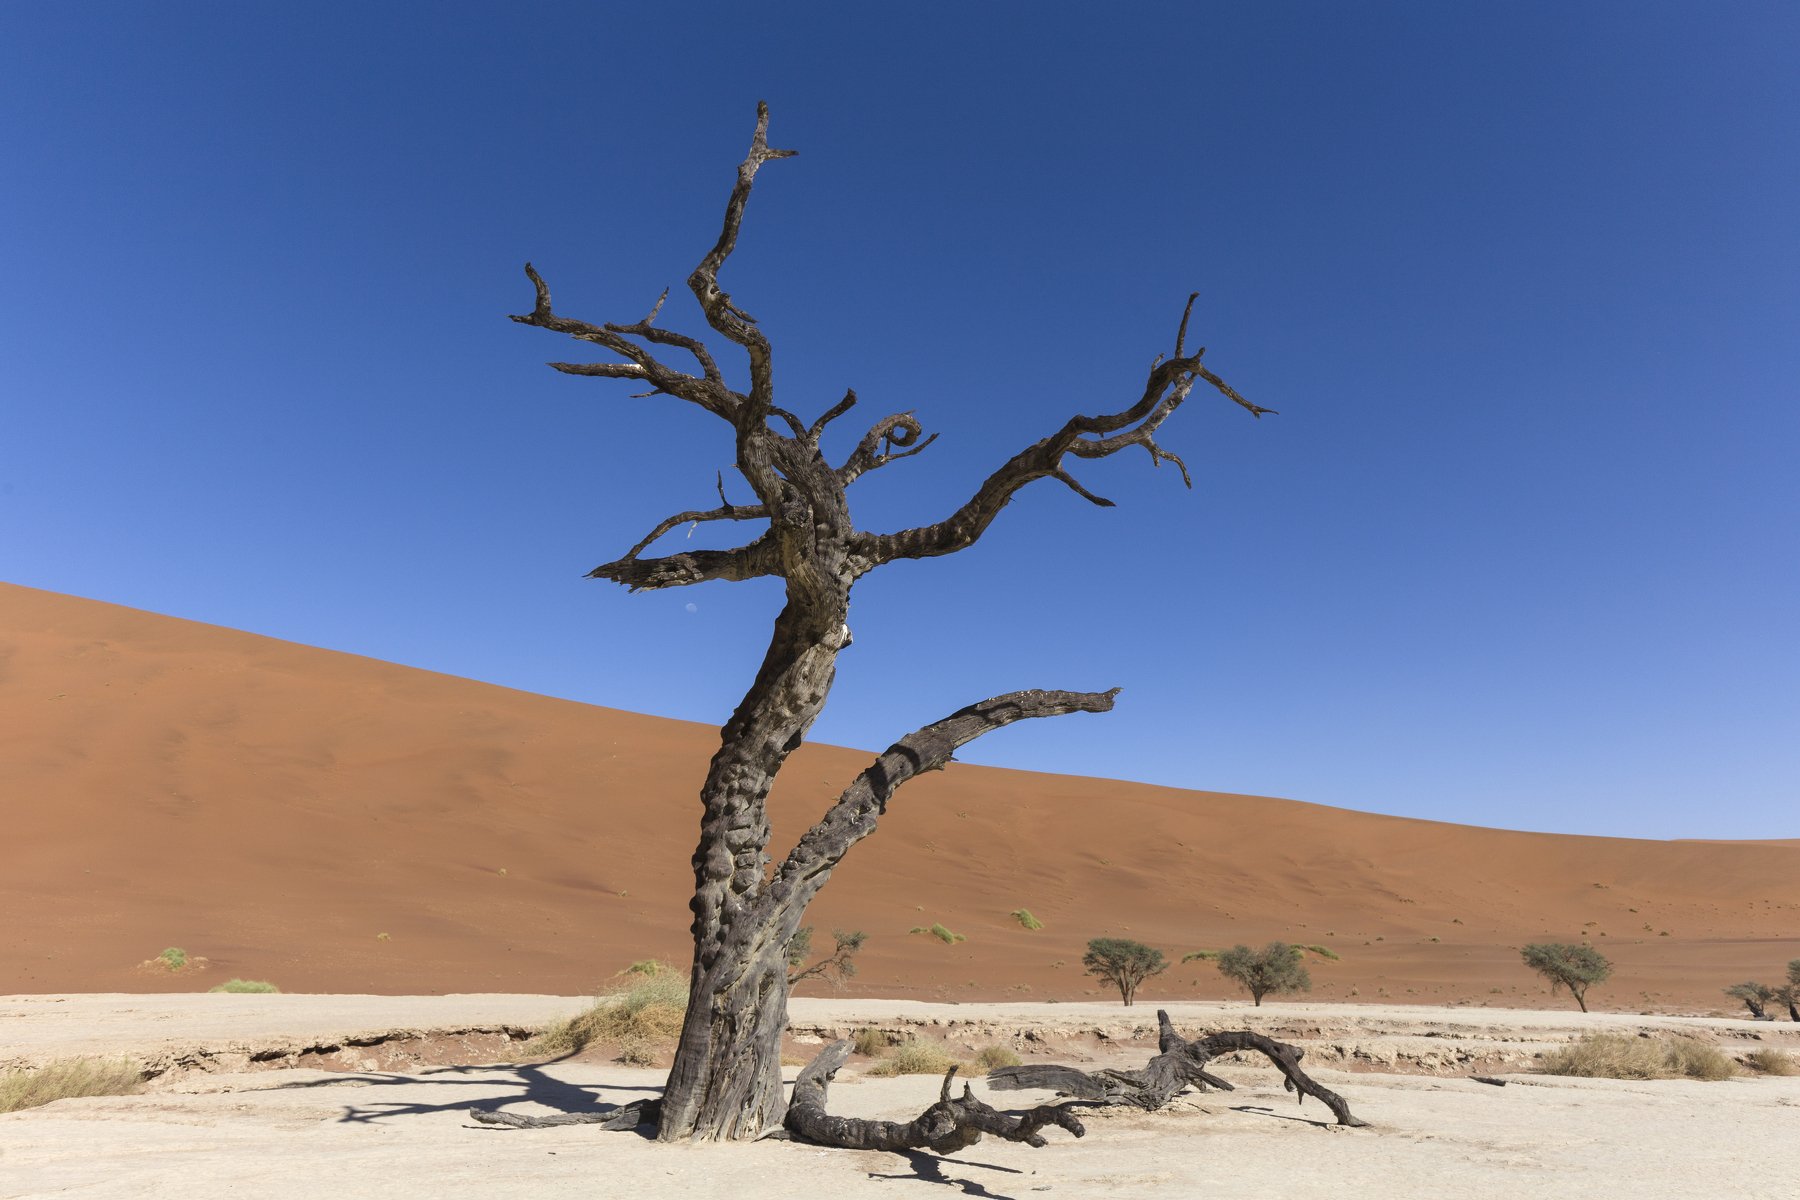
929	1168
1260	1110
535	1086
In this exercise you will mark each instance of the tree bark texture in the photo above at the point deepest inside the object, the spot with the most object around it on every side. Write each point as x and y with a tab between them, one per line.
726	1081
1179	1064
952	1124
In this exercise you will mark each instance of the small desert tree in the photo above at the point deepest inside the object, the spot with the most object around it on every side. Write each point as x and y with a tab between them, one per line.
1789	992
834	968
1754	995
1574	967
1123	963
1274	968
726	1078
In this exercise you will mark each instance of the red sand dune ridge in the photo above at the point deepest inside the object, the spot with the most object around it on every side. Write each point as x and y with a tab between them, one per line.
277	808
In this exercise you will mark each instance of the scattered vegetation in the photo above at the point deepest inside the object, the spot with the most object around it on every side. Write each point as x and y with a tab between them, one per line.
1574	967
245	985
27	1087
1123	963
940	933
1275	968
1328	952
1772	1062
649	967
1023	917
870	1043
1754	995
914	1058
834	968
1622	1056
639	1017
174	958
992	1057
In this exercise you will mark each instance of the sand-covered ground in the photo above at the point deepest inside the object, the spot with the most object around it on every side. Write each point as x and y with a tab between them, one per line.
225	1124
331	823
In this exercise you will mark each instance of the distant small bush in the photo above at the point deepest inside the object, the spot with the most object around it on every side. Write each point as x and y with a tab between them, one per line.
1326	951
643	1014
1622	1056
1568	966
1023	916
28	1087
1274	968
996	1056
940	933
914	1058
174	958
646	966
1123	963
870	1043
1772	1062
245	985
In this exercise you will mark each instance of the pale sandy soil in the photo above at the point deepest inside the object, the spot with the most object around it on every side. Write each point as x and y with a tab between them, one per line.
386	1133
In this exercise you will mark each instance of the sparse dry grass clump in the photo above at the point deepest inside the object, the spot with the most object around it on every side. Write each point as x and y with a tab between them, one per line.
940	933
870	1043
245	985
914	1058
1772	1062
24	1087
1621	1056
640	1017
996	1056
1024	918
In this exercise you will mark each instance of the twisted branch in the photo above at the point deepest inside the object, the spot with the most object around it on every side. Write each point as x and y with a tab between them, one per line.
1165	389
877	446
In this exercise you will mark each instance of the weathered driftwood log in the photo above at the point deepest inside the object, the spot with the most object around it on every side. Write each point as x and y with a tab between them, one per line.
1180	1064
949	1125
626	1116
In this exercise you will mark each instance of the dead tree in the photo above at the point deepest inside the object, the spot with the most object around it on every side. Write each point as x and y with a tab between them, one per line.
950	1125
1178	1065
726	1079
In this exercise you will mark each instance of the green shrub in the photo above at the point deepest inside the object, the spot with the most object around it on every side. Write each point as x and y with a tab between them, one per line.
1023	916
914	1058
940	933
1274	968
1622	1056
1123	963
1326	951
1566	966
245	985
174	958
27	1087
996	1056
646	1012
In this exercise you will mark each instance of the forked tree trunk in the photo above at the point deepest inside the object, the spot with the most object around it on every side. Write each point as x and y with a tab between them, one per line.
726	1081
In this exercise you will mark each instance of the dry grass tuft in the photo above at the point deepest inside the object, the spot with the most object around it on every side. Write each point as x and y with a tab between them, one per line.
640	1016
870	1043
914	1058
24	1087
1621	1056
1772	1062
996	1056
244	985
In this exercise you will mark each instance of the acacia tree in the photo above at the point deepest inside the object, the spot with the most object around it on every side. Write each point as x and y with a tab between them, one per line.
726	1077
1123	963
1574	967
1277	967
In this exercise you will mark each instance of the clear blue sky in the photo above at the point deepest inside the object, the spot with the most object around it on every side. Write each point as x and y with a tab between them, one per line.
1522	279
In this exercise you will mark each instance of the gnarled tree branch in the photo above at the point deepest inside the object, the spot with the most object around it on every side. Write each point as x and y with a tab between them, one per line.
854	815
1167	386
877	448
753	561
950	1125
721	313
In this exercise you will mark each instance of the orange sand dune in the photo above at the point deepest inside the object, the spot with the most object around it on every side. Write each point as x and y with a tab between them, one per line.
334	823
